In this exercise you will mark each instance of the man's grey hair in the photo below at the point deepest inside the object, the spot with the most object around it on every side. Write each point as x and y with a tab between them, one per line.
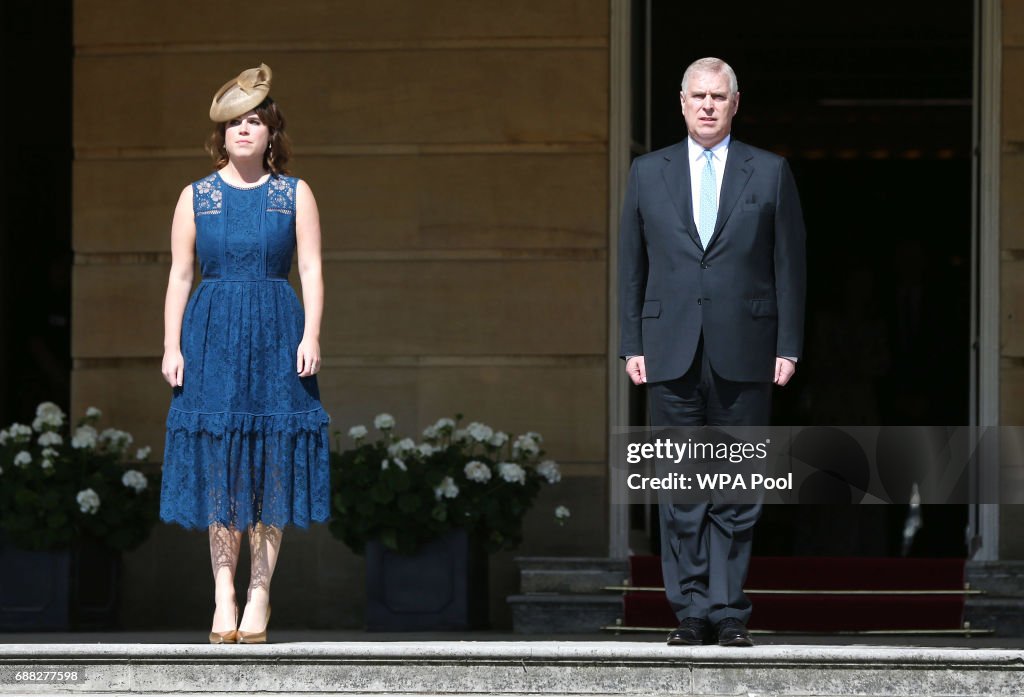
711	65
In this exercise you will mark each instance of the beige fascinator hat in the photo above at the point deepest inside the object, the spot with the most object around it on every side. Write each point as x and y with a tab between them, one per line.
241	94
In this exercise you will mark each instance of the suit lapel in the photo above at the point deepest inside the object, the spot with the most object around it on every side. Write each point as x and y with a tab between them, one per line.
738	169
677	178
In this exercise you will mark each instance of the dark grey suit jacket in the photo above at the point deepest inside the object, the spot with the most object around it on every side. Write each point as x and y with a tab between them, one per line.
745	292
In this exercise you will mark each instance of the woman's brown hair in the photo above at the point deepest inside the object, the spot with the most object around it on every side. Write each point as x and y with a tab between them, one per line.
277	154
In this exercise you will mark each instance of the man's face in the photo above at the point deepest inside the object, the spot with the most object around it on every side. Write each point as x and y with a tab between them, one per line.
708	107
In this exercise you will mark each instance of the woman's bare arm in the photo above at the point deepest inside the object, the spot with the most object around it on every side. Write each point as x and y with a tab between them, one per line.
179	285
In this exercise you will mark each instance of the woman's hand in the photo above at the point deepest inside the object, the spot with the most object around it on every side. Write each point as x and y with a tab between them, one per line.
307	361
173	367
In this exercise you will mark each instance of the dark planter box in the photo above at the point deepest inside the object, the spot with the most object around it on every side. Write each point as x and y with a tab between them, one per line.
56	591
95	586
34	590
442	586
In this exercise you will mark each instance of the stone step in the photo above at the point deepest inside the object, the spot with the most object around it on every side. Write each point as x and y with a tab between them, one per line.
564	595
570	574
558	613
512	668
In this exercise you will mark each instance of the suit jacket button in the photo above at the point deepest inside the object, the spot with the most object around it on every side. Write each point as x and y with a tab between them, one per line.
698	301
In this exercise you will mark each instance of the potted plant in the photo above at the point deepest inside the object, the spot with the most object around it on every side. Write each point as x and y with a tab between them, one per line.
427	513
70	502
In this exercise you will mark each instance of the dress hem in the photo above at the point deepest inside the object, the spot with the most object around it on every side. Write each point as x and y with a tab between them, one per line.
193	525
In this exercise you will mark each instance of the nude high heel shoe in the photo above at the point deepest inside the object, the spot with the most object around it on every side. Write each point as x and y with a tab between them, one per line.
255	637
228	637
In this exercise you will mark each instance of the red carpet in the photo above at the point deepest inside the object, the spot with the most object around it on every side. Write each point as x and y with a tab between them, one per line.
824	613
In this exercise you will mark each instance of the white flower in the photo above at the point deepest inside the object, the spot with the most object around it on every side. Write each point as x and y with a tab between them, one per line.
406	445
385	464
383	422
444	425
143	453
426	449
498	439
46	464
431	433
535	437
511	472
447	488
49	410
93	413
477	471
50	453
525	444
133	479
19	433
49	415
50	438
549	470
84	437
117	438
479	432
562	513
357	433
460	436
88	501
22	458
4	435
400	464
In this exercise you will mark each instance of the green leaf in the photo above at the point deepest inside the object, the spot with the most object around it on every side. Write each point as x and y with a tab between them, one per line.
408	503
389	538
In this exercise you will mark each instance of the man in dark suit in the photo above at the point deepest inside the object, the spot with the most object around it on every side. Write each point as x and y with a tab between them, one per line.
711	298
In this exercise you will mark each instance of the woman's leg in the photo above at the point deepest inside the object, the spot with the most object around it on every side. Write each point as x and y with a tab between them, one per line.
264	546
224	546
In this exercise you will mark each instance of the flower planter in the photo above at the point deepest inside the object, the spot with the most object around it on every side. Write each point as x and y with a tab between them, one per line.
442	586
95	586
34	589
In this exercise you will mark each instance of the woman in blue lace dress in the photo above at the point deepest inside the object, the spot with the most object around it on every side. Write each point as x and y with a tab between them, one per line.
247	440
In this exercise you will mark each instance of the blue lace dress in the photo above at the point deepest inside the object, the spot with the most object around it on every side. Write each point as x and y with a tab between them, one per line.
247	438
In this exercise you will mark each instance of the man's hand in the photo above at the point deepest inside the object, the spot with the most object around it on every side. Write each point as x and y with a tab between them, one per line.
784	369
636	369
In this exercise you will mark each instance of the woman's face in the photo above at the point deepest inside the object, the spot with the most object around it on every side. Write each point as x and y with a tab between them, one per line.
246	136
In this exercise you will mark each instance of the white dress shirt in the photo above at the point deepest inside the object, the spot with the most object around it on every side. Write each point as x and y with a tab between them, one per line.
719	155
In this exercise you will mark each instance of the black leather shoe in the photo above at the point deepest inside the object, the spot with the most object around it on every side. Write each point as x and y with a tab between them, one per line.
690	632
732	632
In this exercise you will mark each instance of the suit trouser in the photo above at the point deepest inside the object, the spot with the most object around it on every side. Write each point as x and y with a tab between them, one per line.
705	547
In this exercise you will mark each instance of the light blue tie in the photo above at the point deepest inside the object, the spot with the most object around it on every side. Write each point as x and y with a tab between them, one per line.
708	200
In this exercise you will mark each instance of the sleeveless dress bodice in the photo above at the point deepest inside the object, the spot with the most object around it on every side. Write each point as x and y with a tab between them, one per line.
247	438
245	234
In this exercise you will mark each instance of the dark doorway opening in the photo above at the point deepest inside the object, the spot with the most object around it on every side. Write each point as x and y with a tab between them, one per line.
871	104
35	244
